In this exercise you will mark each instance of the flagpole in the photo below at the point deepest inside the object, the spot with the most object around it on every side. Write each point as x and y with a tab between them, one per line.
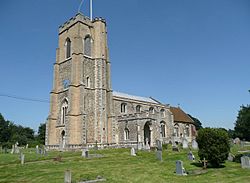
90	9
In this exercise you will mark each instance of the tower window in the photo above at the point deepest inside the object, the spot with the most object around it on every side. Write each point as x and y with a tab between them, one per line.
151	110
66	83
124	108
64	110
126	134
138	108
163	129
162	113
87	46
88	82
68	48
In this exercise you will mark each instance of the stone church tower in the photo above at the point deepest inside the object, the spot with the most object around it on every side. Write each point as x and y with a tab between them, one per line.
81	99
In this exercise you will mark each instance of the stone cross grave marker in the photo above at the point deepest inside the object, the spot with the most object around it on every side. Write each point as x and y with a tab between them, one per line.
204	161
245	162
194	144
179	168
185	144
67	176
132	152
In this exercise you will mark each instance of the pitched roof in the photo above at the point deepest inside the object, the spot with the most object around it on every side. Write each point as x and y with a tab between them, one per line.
180	115
133	97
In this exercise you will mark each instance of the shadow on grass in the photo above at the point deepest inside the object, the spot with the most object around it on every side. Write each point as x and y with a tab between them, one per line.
198	164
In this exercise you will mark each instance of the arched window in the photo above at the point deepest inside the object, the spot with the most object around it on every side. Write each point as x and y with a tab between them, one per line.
176	130
124	108
186	131
87	46
64	110
162	113
68	48
163	129
126	134
88	82
151	110
138	109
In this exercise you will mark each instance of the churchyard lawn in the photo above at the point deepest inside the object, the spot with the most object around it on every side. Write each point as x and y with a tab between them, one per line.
115	165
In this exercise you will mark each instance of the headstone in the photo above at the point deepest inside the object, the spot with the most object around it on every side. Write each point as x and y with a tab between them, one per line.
191	156
132	152
194	144
22	158
12	150
159	155
85	153
37	149
159	145
139	145
147	147
179	168
185	144
175	147
237	140
245	162
67	176
27	146
230	157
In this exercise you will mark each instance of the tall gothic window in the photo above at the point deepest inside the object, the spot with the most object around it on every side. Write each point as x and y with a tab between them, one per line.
88	82
176	130
126	134
68	48
124	108
163	129
64	110
186	132
138	109
87	46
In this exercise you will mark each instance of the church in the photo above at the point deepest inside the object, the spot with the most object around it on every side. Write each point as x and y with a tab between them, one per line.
85	111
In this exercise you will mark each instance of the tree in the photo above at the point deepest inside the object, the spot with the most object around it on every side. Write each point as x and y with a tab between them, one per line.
213	145
197	123
242	125
41	133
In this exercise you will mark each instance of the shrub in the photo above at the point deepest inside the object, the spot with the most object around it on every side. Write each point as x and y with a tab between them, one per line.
213	145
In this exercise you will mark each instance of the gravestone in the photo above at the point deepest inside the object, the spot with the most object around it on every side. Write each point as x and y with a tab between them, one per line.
139	146
85	153
132	152
245	162
179	168
22	158
185	144
12	150
191	156
159	155
237	140
147	147
37	149
194	144
27	146
175	147
159	145
230	157
67	176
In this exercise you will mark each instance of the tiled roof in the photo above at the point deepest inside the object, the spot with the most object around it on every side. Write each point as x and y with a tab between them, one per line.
180	115
133	97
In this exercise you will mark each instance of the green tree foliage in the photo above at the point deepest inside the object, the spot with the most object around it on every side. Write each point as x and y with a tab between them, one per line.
41	133
197	123
242	125
11	133
213	145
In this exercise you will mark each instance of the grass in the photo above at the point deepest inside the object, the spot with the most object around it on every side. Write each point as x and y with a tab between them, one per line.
116	165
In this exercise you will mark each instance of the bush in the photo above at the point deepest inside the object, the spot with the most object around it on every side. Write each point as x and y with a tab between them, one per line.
213	145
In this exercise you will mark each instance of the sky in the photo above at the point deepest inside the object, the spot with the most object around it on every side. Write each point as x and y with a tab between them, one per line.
191	53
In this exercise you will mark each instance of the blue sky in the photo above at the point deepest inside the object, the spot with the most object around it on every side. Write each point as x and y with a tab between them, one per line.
193	53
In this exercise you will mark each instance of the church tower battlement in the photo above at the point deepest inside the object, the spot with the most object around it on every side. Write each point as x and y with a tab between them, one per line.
81	99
